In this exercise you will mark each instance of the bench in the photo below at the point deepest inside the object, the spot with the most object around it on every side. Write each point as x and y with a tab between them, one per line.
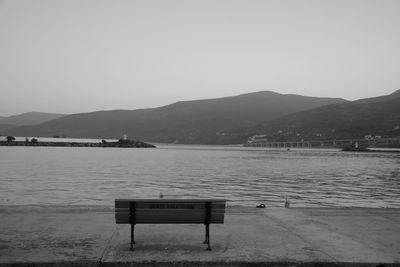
170	211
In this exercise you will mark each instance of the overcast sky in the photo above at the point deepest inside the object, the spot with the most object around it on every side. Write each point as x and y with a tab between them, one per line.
80	56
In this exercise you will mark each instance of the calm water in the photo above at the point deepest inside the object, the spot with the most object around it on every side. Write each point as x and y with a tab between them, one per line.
244	176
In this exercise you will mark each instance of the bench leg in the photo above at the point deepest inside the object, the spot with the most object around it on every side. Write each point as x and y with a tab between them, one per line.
207	240
206	236
132	236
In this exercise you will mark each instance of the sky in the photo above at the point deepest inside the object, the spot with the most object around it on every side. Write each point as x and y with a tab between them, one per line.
76	56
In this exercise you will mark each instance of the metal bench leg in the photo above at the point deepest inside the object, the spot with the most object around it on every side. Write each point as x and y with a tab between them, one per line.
132	236
207	241
207	223
132	221
205	235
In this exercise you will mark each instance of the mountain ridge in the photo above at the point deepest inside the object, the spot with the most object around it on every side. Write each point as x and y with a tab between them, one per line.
232	119
371	116
29	118
183	121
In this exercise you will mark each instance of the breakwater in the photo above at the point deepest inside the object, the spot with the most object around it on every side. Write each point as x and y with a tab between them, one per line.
120	143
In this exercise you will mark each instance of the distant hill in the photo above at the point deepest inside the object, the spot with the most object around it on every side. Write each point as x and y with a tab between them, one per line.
375	116
30	118
198	121
5	126
394	95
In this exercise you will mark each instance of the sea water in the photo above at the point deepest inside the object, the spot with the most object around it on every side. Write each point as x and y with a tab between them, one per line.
243	176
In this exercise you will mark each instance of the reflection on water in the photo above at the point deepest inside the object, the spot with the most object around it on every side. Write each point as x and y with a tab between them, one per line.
244	176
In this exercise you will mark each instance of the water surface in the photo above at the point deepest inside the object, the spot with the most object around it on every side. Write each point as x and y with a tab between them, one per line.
244	176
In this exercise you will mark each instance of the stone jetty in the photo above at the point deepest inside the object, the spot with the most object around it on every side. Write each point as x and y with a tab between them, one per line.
120	143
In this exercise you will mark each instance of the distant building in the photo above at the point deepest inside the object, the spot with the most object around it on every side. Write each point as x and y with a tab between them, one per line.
257	139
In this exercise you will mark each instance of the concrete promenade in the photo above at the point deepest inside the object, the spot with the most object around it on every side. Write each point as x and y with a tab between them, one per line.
88	236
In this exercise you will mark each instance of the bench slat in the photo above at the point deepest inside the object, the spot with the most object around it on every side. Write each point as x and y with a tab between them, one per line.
175	212
172	221
165	217
170	204
165	200
126	210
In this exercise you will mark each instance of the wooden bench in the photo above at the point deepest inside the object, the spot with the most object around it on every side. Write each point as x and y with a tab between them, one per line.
170	211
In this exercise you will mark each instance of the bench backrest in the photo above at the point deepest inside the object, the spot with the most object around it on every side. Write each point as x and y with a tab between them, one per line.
155	211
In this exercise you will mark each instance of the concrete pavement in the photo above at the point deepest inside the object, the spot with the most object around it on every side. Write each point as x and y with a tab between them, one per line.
88	236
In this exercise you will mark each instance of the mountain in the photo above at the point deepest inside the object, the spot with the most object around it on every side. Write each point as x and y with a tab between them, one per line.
394	95
372	116
5	126
29	118
198	121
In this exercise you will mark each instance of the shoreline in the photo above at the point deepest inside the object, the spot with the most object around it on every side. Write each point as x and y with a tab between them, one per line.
39	207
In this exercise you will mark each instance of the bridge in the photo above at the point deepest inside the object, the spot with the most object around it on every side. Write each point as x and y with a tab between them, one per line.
329	143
